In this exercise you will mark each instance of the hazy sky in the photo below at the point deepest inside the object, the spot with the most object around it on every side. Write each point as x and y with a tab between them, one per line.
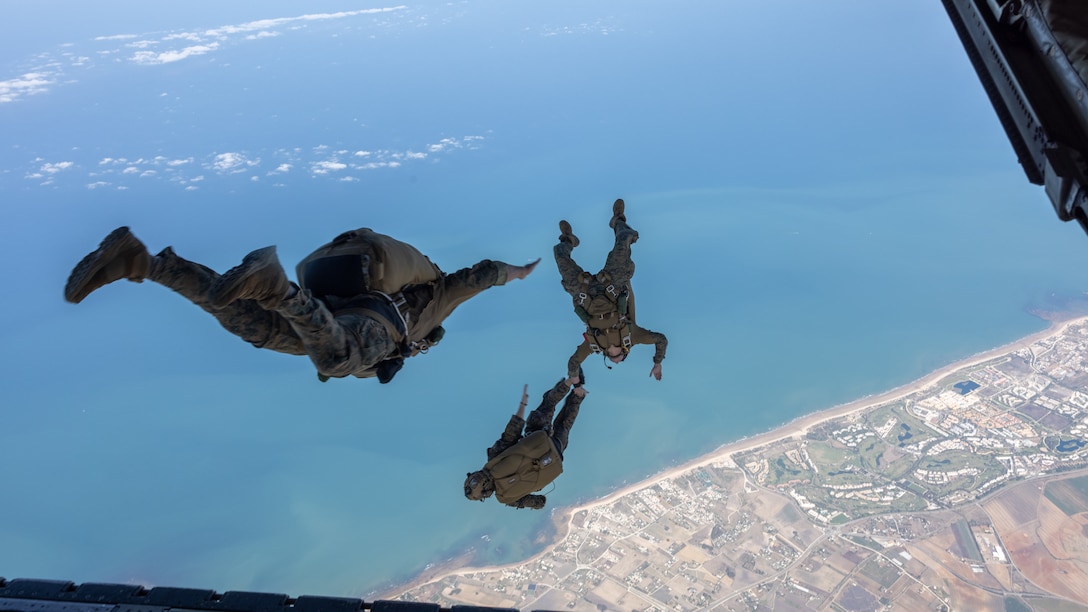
827	203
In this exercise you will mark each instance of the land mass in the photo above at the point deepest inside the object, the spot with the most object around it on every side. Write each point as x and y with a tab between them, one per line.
966	489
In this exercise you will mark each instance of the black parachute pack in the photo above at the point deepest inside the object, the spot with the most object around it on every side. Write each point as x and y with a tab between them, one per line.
367	271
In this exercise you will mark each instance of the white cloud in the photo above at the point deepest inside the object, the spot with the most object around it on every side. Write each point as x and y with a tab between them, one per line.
362	153
191	188
97	184
29	84
349	179
130	170
376	165
179	162
231	163
280	169
191	36
266	24
151	58
324	167
48	168
142	44
116	37
262	34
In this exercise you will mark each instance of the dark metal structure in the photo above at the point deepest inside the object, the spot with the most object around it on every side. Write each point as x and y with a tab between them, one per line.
1027	53
60	596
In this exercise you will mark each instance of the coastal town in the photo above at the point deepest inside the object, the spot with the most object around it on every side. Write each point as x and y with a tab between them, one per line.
965	490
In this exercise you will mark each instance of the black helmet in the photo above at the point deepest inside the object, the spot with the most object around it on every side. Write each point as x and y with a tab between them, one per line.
479	485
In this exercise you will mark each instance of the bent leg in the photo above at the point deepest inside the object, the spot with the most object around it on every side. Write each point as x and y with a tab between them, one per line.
243	318
565	421
619	264
570	272
541	416
340	345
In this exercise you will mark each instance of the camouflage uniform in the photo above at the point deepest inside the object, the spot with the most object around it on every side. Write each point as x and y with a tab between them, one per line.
339	339
618	270
540	419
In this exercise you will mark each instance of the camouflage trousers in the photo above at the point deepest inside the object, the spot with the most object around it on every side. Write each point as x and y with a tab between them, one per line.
541	417
302	325
618	267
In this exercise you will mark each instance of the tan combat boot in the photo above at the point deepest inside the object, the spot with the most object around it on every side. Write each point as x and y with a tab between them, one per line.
120	255
617	214
566	234
259	277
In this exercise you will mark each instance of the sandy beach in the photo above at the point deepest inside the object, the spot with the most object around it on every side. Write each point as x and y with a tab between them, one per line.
796	428
800	426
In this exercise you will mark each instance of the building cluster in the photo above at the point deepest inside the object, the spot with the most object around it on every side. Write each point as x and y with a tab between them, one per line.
766	527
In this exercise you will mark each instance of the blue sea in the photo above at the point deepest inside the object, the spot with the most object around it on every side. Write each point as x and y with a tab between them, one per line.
815	226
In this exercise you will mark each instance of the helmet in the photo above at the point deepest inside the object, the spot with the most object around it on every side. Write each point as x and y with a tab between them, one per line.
479	485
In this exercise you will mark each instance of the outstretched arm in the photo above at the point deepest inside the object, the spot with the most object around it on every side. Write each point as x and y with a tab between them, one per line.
660	342
575	361
513	272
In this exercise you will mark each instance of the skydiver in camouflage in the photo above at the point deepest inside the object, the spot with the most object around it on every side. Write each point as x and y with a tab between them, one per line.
604	301
363	303
519	465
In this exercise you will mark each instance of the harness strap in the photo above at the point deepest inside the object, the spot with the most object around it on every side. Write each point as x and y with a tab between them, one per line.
626	343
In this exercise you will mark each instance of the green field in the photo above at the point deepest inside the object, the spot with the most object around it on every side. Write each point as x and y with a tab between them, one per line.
1069	495
966	540
782	470
988	468
883	572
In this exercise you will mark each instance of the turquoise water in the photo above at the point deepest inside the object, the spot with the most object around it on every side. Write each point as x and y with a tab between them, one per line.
814	228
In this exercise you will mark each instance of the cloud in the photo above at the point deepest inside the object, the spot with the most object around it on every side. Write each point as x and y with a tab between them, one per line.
231	163
468	142
209	40
49	168
325	167
147	58
29	84
319	161
376	165
203	42
266	24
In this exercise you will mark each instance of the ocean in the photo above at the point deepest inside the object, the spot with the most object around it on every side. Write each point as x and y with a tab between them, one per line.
809	236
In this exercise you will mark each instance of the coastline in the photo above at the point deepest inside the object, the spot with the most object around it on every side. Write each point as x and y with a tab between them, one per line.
562	518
